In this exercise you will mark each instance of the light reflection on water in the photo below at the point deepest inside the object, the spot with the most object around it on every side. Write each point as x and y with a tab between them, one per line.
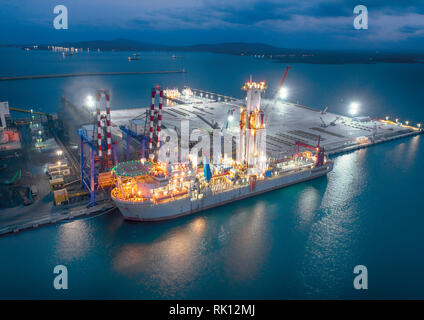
300	241
397	156
330	247
309	201
249	243
73	240
169	261
175	258
297	242
411	153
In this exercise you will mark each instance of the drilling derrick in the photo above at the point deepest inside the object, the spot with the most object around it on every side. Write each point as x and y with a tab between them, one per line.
252	148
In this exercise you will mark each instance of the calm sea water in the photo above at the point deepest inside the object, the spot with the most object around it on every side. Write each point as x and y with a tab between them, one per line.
299	242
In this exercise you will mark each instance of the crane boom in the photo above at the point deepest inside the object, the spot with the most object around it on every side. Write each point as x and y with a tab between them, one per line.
283	78
29	111
308	146
319	152
271	108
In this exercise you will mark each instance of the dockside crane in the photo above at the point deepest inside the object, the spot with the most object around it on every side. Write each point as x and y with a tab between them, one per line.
319	151
88	180
228	119
30	111
323	124
274	101
142	138
332	123
283	78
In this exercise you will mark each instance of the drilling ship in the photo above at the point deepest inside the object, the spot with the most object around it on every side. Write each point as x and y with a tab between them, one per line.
152	190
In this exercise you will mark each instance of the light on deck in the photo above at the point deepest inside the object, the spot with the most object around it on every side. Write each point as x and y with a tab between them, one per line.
89	101
354	108
283	93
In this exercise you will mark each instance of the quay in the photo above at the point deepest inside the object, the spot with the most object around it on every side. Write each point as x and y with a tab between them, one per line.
56	216
32	200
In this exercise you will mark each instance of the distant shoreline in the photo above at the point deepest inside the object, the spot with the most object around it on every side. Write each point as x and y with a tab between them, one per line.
256	50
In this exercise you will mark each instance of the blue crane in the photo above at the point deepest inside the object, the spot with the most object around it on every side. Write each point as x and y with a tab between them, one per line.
90	185
140	137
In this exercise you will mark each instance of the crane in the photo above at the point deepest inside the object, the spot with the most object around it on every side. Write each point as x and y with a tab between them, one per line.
30	111
323	124
319	152
139	137
332	123
228	119
90	185
283	78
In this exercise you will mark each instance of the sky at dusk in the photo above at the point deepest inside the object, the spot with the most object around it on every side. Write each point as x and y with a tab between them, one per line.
314	24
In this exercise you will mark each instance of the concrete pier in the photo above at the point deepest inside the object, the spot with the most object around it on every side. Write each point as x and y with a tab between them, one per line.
53	216
88	74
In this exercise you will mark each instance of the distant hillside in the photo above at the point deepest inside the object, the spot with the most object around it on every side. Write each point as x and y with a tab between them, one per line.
238	48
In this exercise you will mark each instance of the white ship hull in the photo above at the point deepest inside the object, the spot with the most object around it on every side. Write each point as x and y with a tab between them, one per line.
148	211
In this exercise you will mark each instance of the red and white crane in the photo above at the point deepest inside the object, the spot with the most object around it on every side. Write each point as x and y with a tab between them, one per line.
283	78
100	124
153	113
319	152
274	101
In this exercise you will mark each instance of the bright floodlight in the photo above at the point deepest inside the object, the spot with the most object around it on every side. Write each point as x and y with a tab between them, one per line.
283	93
354	108
89	101
230	118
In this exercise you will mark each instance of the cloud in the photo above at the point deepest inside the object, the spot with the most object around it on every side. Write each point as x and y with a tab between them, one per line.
326	21
388	20
395	28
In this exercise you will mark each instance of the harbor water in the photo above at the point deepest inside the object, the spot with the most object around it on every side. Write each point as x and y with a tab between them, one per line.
302	241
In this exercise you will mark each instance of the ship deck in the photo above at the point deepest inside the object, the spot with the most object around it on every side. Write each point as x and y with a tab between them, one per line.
286	123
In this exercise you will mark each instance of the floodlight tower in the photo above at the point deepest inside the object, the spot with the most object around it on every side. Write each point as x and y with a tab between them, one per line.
252	150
